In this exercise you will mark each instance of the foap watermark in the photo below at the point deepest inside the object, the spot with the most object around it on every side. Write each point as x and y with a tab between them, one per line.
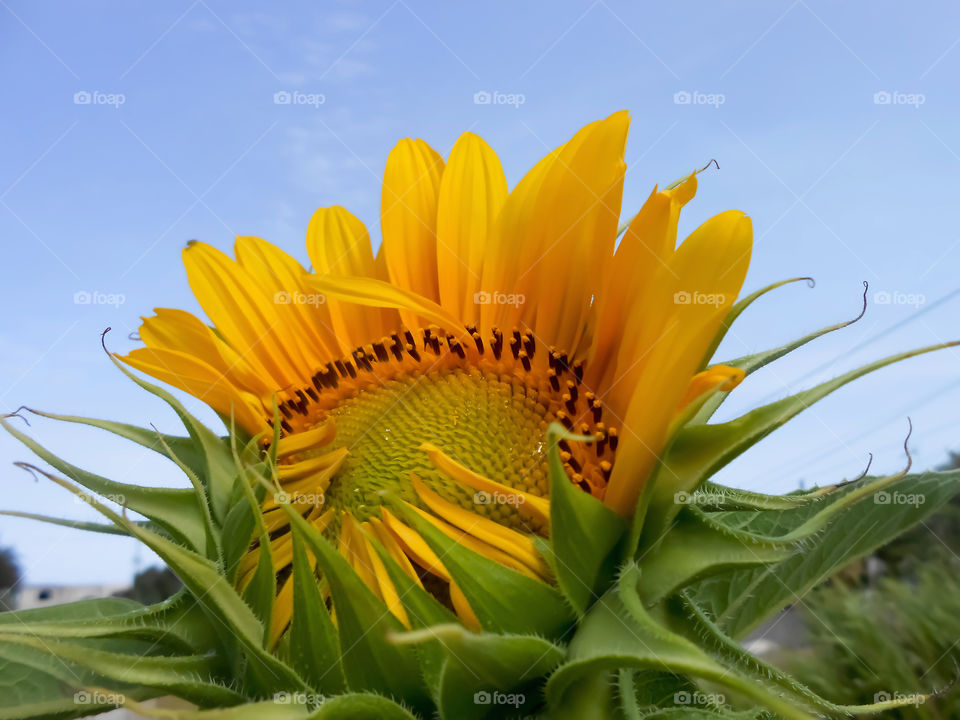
95	297
296	97
886	297
684	697
482	297
485	97
98	697
299	498
312	700
914	699
83	498
895	97
698	498
485	497
483	697
685	297
686	97
299	298
899	498
96	97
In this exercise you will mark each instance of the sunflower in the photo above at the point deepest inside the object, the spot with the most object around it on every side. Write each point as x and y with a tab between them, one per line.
428	373
467	477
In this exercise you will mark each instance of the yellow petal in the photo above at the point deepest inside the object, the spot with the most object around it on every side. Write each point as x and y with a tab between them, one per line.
376	293
472	192
183	332
387	589
721	378
339	244
197	378
389	542
307	439
354	549
514	544
408	219
515	246
302	310
463	609
709	268
244	314
414	545
530	506
628	316
471	542
579	210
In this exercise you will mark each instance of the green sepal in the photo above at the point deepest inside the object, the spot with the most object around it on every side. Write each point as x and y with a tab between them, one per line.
370	662
423	610
502	599
699	451
64	522
188	677
619	633
184	448
737	310
697	625
314	646
583	532
282	706
261	591
693	550
177	511
751	363
739	601
214	594
239	528
362	706
480	668
175	624
216	467
713	497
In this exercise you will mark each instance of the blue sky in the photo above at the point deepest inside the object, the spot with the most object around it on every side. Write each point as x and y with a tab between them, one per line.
834	126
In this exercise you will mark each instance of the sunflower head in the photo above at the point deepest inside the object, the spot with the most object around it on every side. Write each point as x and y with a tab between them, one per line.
426	376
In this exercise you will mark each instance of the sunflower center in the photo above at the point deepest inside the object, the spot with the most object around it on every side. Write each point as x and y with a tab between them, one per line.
484	404
494	425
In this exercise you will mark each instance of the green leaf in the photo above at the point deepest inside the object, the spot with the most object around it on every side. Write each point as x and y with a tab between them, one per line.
583	532
484	672
741	600
369	661
314	648
503	599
